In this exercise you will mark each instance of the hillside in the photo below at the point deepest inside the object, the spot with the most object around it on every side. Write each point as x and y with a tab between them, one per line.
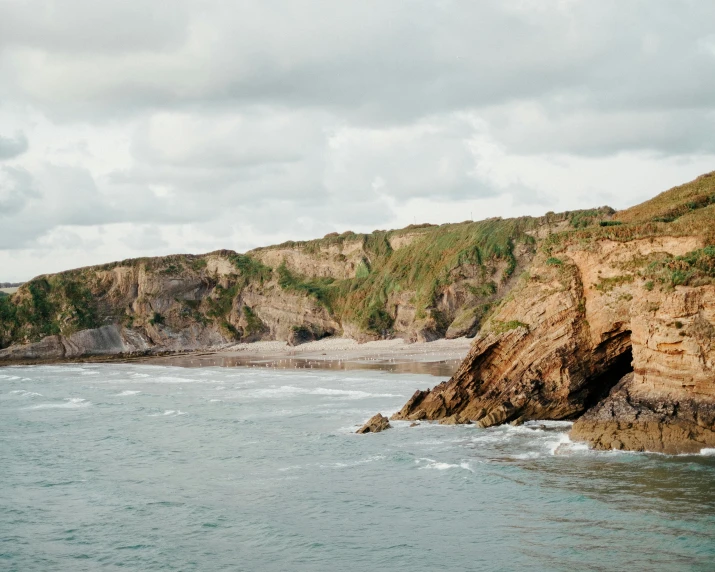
421	283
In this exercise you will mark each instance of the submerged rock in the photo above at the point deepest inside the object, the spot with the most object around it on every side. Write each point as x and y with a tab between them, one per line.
375	424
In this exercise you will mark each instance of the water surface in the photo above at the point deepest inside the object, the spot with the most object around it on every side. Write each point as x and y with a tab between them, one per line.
164	468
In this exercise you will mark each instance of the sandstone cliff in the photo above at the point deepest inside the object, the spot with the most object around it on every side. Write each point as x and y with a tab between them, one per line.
421	283
636	294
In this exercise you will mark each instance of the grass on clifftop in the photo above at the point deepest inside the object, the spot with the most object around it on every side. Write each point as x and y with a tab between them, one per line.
686	210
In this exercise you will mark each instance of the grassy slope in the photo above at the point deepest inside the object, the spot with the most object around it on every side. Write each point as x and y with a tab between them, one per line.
685	210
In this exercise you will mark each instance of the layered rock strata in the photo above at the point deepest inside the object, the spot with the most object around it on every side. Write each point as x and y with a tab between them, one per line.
571	329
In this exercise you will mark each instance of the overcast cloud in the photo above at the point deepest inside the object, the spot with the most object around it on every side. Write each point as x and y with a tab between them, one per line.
143	127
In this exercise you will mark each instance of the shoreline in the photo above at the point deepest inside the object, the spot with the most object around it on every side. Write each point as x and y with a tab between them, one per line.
439	358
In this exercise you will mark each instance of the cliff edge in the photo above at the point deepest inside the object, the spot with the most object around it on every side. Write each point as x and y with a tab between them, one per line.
632	299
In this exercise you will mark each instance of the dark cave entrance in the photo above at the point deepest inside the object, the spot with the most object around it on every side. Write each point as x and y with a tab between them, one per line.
613	359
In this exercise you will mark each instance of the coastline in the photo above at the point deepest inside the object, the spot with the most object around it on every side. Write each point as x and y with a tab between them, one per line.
440	357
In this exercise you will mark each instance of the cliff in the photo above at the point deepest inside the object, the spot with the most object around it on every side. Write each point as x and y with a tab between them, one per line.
626	307
420	283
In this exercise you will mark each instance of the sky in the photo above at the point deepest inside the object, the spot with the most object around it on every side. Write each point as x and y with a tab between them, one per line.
148	127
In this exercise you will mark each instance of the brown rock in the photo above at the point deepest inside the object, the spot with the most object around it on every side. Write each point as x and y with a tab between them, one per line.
375	424
638	421
570	331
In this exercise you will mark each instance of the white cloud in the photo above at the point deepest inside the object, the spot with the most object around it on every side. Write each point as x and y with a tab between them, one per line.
136	128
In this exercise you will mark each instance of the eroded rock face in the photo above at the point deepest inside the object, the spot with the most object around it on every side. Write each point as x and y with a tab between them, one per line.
375	424
634	419
570	331
107	340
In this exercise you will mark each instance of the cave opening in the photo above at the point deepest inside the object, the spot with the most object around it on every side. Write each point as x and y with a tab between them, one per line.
614	359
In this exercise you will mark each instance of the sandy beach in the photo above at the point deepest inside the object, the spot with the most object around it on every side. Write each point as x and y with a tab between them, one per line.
440	357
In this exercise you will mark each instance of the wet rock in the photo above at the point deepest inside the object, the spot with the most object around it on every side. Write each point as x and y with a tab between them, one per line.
643	421
375	424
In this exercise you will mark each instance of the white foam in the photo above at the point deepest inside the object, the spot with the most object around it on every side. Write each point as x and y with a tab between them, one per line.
169	413
127	393
23	393
356	463
174	379
439	466
527	456
289	390
555	447
70	403
708	452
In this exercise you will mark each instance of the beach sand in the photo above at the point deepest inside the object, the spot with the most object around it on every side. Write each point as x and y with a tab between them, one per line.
440	357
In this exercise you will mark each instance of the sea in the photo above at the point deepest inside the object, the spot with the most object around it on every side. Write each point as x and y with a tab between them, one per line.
146	467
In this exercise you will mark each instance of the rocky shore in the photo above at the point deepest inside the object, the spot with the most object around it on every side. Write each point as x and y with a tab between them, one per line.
590	313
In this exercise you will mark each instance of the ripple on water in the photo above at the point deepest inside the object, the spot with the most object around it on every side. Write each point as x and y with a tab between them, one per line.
157	473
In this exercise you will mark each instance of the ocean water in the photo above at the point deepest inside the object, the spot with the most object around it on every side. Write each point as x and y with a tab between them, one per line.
140	467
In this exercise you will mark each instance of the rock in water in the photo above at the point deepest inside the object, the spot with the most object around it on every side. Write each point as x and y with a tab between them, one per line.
375	424
638	420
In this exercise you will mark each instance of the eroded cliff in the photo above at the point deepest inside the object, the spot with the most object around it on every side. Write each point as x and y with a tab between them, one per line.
421	283
633	299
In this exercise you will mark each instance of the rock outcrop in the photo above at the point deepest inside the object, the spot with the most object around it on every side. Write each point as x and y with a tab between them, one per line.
640	420
375	424
593	307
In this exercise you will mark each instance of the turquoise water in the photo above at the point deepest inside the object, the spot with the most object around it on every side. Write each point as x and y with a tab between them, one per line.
162	468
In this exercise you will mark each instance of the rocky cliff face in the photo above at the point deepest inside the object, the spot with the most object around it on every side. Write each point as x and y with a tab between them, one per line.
633	298
420	283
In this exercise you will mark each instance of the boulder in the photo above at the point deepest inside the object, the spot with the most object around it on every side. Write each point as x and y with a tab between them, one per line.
375	424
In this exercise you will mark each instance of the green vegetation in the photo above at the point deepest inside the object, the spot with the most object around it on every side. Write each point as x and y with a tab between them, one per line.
221	302
688	209
696	268
584	219
157	318
553	261
254	325
502	327
608	284
318	288
59	304
249	268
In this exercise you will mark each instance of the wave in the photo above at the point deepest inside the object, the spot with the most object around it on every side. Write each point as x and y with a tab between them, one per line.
24	393
342	465
440	466
70	403
127	393
169	413
288	390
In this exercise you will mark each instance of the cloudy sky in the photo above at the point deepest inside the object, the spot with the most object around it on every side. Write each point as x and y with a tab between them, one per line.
143	127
